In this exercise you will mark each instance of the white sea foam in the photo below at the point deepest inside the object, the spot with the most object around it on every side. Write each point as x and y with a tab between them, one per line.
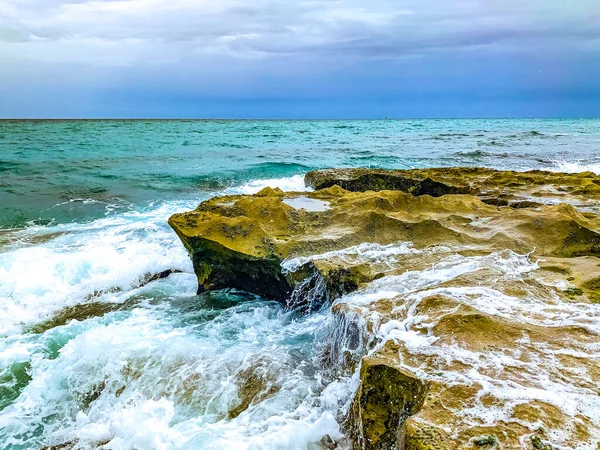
142	380
542	376
293	183
365	253
82	260
575	166
510	263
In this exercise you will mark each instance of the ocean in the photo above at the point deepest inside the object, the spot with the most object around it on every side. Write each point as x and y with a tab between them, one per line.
93	354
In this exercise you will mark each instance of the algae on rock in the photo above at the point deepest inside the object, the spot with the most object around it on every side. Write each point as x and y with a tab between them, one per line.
386	397
530	189
241	241
479	289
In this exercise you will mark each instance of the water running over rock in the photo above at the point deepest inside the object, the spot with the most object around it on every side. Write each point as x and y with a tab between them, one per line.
91	357
478	319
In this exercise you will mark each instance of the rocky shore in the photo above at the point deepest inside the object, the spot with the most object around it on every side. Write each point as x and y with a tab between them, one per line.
476	292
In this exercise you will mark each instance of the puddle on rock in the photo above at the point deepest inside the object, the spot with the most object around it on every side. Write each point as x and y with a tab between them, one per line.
308	204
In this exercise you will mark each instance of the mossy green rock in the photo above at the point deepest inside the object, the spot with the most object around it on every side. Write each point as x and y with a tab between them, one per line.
495	187
360	180
387	396
241	241
413	396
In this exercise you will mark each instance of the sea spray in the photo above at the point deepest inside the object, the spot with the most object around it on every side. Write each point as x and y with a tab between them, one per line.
84	220
166	369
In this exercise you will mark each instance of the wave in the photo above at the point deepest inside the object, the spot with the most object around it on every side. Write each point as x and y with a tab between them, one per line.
575	166
193	372
213	184
74	260
19	168
205	183
246	379
293	183
80	259
278	166
232	145
492	143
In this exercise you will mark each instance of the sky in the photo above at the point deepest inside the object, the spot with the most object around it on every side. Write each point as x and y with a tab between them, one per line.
299	58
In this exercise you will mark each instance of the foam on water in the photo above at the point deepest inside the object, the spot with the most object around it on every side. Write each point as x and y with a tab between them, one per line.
364	253
82	260
576	166
166	372
543	376
294	183
161	378
451	267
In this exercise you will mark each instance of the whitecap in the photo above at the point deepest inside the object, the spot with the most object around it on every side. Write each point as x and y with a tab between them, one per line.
293	183
575	166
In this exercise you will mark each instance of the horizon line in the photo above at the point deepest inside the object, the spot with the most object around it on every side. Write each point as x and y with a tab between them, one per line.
23	119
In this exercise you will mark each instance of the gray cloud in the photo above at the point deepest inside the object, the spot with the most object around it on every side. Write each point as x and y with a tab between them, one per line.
249	29
302	48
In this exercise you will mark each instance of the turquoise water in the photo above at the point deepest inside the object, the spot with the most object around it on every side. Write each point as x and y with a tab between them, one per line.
80	170
92	356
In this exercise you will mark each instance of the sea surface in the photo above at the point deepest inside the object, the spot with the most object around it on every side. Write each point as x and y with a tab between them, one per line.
93	354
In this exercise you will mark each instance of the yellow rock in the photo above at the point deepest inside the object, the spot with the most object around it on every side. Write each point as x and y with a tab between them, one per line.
489	284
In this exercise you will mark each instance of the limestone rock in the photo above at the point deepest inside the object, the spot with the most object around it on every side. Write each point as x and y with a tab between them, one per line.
241	241
495	187
476	291
387	396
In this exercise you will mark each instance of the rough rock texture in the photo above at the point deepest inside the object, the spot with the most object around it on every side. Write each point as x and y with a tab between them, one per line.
241	241
498	188
387	396
509	355
479	292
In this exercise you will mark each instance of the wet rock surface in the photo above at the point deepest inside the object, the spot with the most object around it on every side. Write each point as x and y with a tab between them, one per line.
388	395
479	291
499	188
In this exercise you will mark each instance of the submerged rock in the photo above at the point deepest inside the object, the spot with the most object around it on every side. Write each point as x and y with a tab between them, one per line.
478	290
91	308
64	446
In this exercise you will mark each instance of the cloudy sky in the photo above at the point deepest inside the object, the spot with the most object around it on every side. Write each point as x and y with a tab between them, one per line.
299	58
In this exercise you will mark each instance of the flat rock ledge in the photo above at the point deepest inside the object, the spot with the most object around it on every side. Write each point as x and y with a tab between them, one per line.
496	187
513	315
